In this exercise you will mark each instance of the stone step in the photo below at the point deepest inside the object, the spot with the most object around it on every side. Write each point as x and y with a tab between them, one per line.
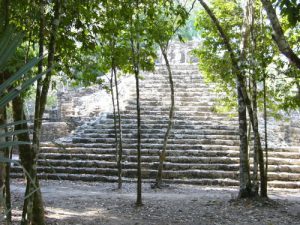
166	88
183	97
177	109
167	101
284	184
202	93
177	127
73	177
110	155
193	181
180	116
191	80
210	132
292	149
131	173
179	66
190	172
159	141
161	135
86	153
179	92
215	120
149	141
95	146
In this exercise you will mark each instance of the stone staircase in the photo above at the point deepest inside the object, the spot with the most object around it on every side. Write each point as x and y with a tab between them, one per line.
203	146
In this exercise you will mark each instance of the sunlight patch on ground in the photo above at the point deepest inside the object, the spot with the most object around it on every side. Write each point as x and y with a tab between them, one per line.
60	213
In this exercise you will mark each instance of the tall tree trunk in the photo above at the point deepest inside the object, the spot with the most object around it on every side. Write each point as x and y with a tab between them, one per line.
279	37
120	152
7	177
115	116
135	47
35	209
139	166
26	156
162	154
135	50
265	124
255	147
2	168
5	199
245	181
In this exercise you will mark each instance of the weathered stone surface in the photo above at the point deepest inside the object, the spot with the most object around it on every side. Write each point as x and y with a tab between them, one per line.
53	130
203	147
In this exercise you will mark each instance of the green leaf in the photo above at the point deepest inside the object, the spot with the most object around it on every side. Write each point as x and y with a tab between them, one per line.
15	92
14	123
16	132
19	74
8	45
12	143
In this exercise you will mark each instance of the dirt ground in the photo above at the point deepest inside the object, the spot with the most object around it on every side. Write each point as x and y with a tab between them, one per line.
80	203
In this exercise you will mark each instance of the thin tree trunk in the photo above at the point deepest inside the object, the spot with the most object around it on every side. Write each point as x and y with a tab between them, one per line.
139	166
265	125
162	154
5	167
115	116
4	153
2	168
255	149
7	189
120	152
135	53
135	50
7	178
26	156
35	209
279	37
245	181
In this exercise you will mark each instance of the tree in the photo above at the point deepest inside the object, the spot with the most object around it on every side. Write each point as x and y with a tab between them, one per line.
52	34
168	19
236	59
279	37
115	51
9	42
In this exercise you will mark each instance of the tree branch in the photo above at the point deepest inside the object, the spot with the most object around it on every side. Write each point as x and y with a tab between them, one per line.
279	37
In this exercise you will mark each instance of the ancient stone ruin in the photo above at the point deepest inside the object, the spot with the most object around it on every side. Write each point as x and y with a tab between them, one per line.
203	146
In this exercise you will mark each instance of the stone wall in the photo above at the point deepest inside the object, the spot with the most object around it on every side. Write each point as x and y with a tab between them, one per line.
79	105
53	130
283	132
180	53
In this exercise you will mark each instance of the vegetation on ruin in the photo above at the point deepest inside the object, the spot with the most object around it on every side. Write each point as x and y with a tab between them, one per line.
246	49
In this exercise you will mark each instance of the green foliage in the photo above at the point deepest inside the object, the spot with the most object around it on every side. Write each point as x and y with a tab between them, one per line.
285	76
9	41
189	32
290	9
262	58
214	60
